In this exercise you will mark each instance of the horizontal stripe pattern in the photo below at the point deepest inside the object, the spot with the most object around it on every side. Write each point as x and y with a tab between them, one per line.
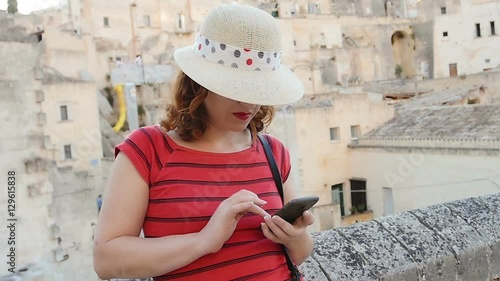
187	186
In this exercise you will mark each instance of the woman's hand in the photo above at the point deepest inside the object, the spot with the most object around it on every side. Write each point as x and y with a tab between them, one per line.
223	222
280	231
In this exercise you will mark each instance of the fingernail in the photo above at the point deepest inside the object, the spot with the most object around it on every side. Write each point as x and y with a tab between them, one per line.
267	217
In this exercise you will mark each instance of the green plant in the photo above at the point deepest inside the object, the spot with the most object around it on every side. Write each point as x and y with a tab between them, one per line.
12	8
109	95
140	110
353	210
361	208
398	71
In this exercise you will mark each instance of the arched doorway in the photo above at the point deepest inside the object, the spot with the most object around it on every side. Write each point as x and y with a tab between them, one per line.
403	47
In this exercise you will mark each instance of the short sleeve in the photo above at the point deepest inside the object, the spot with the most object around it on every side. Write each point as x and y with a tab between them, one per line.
281	155
138	148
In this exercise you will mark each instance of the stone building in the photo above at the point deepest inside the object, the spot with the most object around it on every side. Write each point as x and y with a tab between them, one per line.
427	156
52	142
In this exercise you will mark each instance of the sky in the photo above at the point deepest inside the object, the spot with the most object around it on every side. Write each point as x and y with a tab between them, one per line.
27	6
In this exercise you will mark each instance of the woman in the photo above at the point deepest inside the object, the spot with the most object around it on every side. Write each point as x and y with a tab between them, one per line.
199	184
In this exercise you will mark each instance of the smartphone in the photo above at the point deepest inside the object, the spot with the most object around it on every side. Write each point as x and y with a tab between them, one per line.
296	207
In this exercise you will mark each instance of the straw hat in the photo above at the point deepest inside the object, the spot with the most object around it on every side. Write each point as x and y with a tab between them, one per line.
237	55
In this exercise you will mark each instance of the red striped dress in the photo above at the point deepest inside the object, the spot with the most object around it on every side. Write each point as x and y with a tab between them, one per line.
185	188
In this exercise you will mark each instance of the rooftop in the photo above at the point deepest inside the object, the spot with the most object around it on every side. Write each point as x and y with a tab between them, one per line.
461	122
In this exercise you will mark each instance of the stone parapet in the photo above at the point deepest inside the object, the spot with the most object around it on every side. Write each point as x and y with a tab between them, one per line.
459	240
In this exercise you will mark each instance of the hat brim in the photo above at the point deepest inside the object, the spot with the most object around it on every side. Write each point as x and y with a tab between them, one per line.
279	87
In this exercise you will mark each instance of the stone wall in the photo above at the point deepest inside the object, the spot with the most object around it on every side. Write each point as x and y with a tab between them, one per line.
459	240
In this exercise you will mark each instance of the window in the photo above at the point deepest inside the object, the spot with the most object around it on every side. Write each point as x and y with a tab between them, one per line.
106	22
492	27
67	152
63	109
147	21
445	34
355	132
358	196
443	10
334	134
478	30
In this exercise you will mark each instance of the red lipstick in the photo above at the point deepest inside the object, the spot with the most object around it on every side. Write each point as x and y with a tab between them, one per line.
242	115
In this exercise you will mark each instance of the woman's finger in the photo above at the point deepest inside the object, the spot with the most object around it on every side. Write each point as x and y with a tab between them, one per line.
278	232
245	207
240	198
305	220
268	233
288	229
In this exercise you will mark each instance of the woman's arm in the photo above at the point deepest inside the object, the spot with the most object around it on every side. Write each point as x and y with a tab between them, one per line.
120	253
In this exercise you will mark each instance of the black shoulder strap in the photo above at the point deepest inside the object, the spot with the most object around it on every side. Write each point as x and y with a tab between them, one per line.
294	271
272	165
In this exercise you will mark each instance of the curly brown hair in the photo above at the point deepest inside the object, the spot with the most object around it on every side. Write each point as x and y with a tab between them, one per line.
188	117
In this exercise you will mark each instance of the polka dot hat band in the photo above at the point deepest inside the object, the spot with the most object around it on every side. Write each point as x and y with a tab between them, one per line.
235	57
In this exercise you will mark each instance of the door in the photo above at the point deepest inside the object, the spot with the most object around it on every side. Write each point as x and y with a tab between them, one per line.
388	201
338	197
453	70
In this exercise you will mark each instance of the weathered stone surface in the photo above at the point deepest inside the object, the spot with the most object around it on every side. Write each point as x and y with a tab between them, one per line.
425	246
470	249
312	270
385	256
340	259
483	216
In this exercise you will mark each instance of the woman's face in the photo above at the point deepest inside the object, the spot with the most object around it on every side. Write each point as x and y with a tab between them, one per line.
227	114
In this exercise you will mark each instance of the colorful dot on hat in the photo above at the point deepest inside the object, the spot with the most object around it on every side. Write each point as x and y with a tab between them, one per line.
268	60
249	61
223	46
234	65
207	42
213	49
261	54
199	47
237	53
246	50
220	62
257	69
